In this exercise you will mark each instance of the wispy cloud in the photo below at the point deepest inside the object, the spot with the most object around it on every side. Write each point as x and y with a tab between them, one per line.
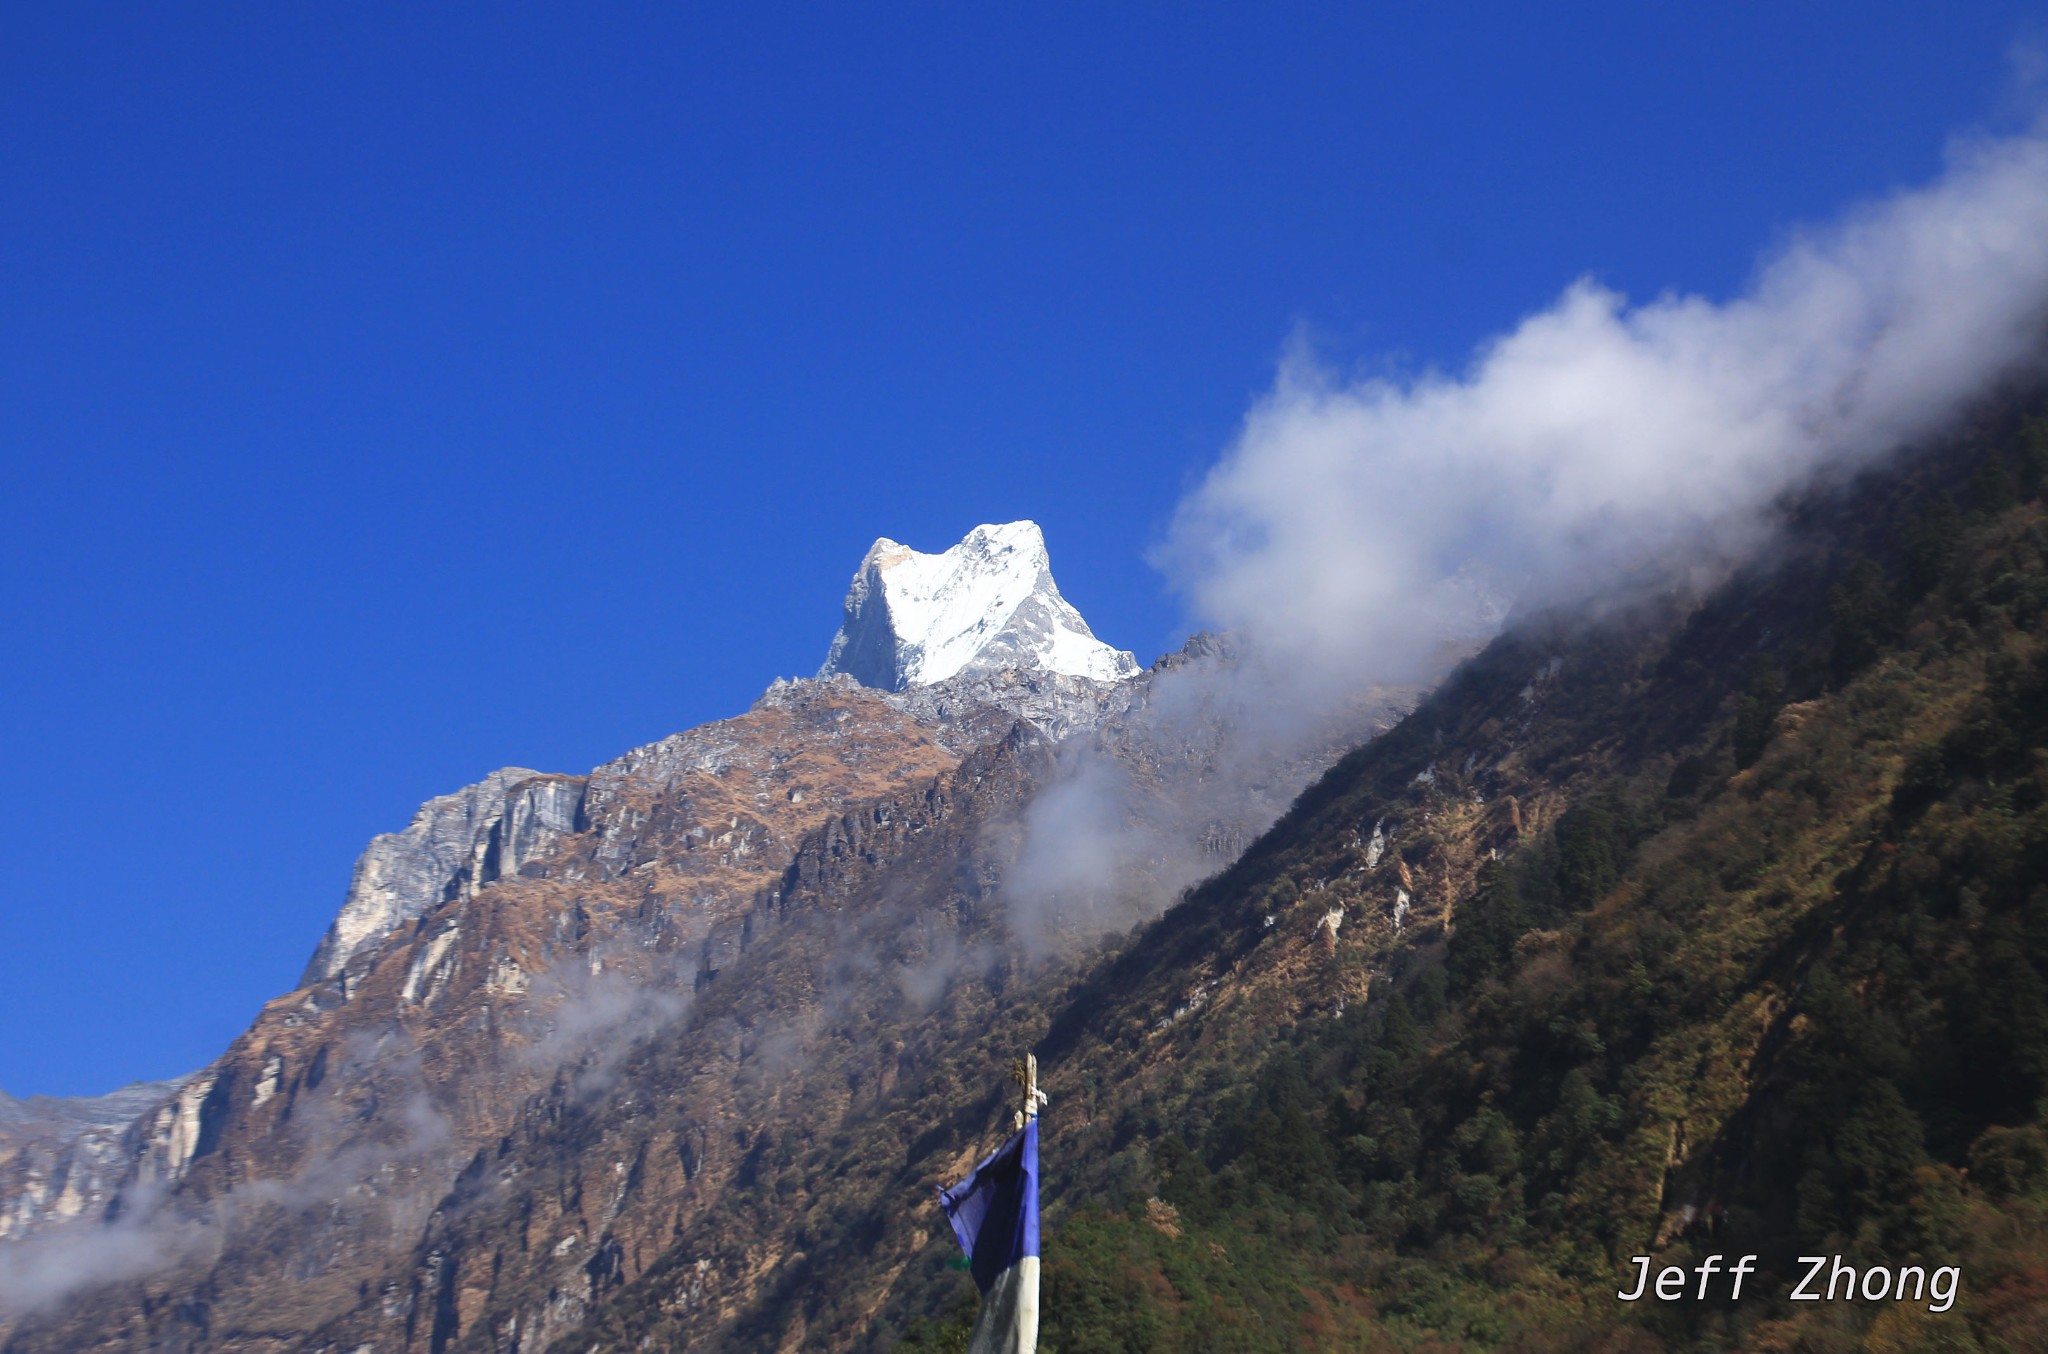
1601	431
377	1140
364	1141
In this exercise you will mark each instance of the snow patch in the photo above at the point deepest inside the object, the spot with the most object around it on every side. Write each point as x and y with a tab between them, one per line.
987	604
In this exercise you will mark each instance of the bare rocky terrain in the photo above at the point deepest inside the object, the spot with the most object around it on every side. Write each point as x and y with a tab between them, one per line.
571	1033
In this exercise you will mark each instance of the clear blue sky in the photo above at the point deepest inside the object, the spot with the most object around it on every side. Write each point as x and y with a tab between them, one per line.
397	392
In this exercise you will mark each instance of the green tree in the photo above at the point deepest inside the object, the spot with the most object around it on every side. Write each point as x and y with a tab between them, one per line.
1929	547
1757	711
1489	923
1993	488
1861	618
2033	455
1590	848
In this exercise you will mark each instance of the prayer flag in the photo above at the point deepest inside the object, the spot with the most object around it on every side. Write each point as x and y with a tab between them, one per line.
994	1212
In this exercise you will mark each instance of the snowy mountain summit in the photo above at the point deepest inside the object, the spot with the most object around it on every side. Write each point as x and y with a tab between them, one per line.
987	605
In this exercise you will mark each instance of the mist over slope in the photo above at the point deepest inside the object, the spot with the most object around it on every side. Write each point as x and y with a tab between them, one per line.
1362	533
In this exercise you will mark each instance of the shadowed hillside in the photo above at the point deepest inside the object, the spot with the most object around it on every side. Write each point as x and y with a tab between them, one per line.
1722	929
1712	923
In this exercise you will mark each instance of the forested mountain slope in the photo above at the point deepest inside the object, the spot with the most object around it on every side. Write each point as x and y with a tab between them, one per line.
1707	924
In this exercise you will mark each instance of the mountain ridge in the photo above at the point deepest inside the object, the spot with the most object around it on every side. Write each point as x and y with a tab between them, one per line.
487	973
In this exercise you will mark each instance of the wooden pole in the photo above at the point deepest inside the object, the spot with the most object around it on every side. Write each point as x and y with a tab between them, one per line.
1025	1073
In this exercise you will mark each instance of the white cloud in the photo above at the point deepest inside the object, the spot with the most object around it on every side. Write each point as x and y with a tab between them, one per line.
1599	431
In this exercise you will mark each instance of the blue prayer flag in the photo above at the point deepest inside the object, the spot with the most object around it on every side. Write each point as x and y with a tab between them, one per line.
994	1212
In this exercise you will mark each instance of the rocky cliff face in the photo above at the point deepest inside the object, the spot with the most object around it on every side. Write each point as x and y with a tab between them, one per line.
573	1034
300	1166
454	845
59	1156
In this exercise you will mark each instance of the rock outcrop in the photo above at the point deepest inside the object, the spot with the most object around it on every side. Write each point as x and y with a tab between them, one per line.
60	1156
454	845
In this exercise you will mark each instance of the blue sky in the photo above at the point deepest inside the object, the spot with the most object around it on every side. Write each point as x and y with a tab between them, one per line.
387	396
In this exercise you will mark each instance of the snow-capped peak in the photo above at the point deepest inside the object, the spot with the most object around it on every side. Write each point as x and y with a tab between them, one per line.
987	604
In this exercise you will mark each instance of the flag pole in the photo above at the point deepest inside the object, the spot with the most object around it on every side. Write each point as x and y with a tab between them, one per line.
1025	1073
994	1214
